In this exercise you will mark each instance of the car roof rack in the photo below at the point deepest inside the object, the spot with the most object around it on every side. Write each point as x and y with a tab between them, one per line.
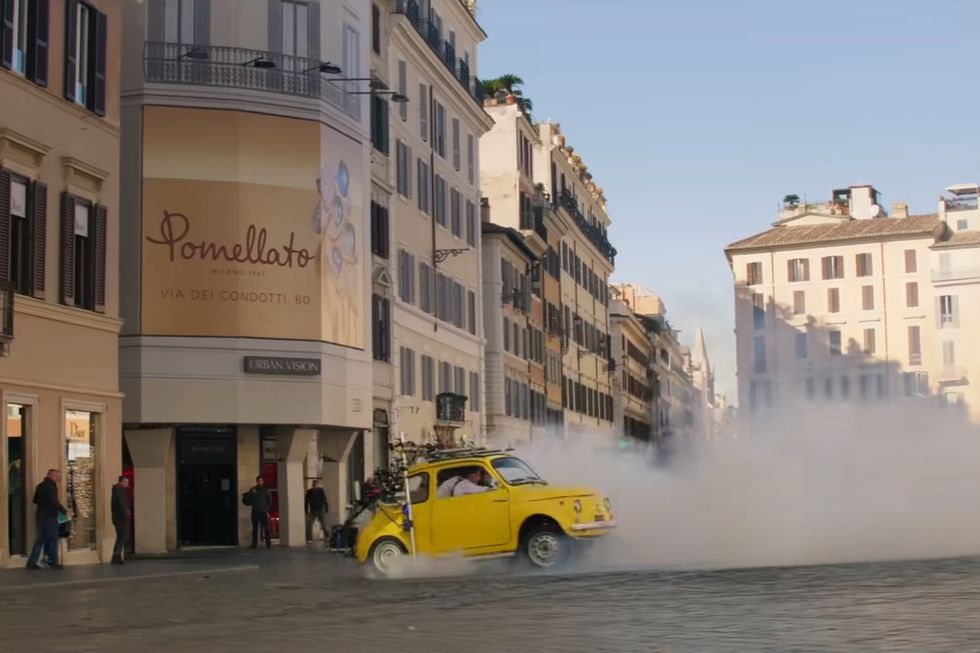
466	452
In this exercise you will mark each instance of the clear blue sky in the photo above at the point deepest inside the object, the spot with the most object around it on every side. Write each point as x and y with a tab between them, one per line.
698	116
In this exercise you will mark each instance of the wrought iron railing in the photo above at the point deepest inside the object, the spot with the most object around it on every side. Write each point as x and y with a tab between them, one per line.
446	52
595	235
245	68
450	407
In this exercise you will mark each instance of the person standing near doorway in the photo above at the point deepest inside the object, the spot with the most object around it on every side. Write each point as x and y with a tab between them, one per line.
48	509
316	511
261	505
120	518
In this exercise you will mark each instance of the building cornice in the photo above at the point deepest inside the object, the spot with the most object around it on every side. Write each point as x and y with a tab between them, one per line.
66	314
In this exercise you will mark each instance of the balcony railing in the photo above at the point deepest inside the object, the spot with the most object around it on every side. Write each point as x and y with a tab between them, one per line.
957	273
221	66
961	203
432	35
450	407
533	220
595	235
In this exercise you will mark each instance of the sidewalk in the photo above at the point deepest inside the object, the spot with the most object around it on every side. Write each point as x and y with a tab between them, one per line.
200	562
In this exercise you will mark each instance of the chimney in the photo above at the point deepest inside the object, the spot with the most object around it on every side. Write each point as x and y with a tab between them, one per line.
900	210
863	202
484	209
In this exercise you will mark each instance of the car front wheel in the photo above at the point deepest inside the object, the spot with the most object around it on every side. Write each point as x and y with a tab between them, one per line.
385	554
545	547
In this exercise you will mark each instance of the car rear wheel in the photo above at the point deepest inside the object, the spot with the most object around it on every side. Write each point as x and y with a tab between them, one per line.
385	554
545	547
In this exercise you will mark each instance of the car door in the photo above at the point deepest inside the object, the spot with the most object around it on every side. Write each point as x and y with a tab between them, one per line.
419	487
472	523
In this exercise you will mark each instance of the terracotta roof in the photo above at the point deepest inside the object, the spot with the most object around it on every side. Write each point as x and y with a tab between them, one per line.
960	239
788	236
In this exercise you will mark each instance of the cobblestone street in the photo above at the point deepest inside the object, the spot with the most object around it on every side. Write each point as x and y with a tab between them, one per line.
307	600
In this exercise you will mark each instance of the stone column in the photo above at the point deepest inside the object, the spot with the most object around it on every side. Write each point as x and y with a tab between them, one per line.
154	492
292	446
335	446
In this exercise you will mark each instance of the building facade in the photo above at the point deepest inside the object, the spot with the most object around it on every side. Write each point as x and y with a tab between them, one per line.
634	401
437	330
840	303
246	257
59	231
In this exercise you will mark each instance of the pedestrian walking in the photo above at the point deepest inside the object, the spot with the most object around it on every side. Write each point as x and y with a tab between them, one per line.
261	505
316	511
48	509
120	519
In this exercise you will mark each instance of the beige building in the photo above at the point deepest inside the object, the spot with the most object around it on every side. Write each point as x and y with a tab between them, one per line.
437	344
247	261
840	303
634	401
59	235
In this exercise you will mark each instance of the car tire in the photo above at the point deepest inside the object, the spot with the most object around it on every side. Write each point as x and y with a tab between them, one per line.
384	554
545	547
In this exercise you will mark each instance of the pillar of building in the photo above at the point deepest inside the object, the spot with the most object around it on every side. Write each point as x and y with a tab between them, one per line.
335	446
154	489
293	445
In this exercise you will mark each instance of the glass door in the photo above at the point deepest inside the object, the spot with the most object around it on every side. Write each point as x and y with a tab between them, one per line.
81	492
16	480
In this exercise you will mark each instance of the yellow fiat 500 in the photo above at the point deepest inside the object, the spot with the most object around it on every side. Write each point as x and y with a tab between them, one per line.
483	505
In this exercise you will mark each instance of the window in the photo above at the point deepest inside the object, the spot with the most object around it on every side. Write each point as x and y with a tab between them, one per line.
380	328
911	294
471	304
833	300
799	302
915	346
352	66
507	398
864	386
759	353
869	341
471	225
962	225
474	395
418	488
456	314
445	377
828	388
425	184
24	44
406	277
403	163
753	273
910	263
949	354
801	345
18	425
845	387
868	298
81	491
916	384
470	159
23	209
442	296
407	372
864	265
376	29
83	230
296	29
428	378
456	145
799	269
506	334
439	118
833	267
403	89
86	33
459	385
424	112
947	312
379	230
379	123
835	343
759	310
425	288
439	201
455	213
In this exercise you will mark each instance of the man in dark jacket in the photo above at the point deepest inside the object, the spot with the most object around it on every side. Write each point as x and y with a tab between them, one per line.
261	505
316	511
48	508
120	518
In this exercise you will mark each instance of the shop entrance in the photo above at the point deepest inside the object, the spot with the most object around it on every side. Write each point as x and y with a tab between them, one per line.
207	511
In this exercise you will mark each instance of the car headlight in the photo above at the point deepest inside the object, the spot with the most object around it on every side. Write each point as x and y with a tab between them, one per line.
608	505
577	505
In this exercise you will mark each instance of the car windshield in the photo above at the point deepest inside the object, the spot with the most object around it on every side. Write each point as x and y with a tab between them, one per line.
515	471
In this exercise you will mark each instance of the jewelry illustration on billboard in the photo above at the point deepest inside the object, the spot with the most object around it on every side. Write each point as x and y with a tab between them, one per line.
331	223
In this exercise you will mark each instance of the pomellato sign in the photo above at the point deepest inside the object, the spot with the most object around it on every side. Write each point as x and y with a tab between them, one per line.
286	366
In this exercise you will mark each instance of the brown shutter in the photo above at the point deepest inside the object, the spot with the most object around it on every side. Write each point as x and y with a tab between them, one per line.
40	21
806	269
67	249
39	237
4	225
101	40
789	271
101	225
71	42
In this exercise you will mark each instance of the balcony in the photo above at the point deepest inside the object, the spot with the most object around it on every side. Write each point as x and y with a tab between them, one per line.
956	274
595	235
533	220
450	408
446	53
221	66
965	203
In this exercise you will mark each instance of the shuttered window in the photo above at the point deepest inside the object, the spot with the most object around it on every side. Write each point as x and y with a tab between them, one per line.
428	378
833	267
868	298
381	328
911	294
23	232
407	364
86	37
379	230
24	38
83	253
910	263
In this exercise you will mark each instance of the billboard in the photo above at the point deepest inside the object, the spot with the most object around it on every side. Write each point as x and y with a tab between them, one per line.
251	227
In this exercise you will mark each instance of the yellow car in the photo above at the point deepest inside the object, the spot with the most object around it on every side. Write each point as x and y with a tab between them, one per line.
483	504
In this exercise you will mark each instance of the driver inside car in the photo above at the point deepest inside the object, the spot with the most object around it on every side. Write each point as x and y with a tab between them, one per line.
468	482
